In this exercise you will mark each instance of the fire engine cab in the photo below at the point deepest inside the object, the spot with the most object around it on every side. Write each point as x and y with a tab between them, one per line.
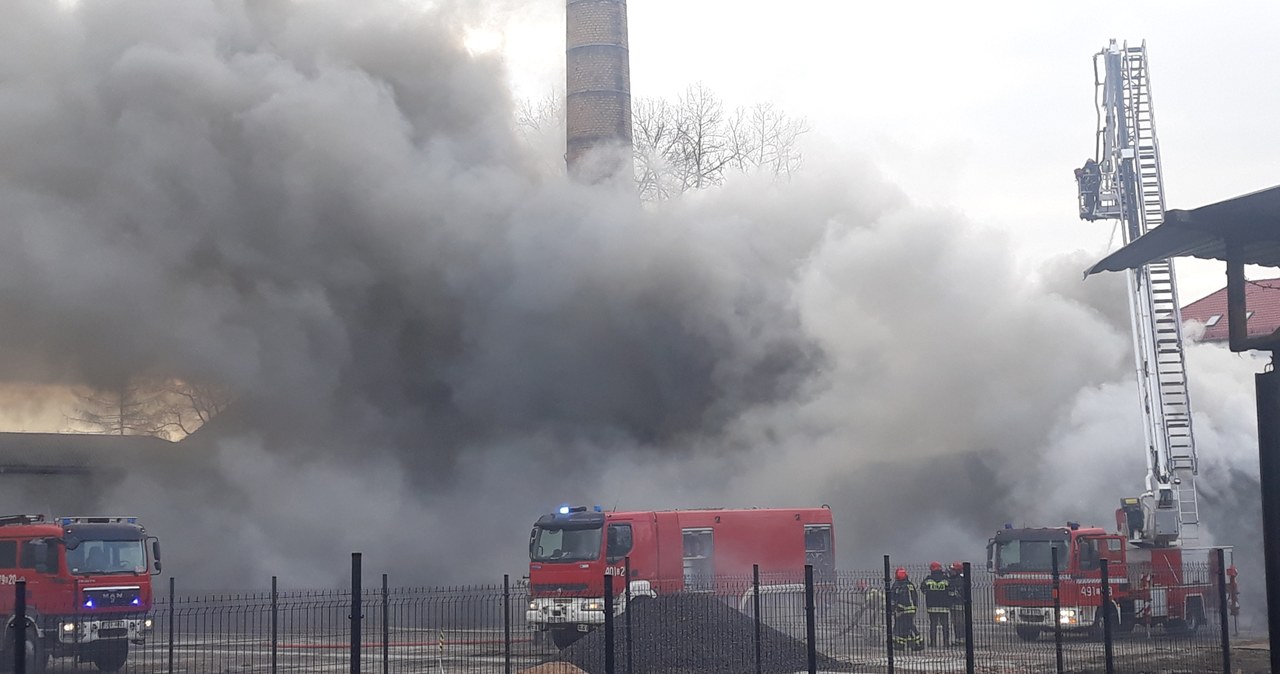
88	586
571	550
1171	586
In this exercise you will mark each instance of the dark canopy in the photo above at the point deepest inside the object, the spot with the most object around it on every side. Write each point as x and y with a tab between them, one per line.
1250	222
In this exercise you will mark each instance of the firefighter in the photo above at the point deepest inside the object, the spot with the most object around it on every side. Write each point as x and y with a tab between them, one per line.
939	598
956	575
903	595
870	612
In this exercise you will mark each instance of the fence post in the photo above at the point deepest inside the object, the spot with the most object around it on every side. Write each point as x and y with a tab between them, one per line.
810	619
970	663
755	604
888	614
626	561
275	624
20	627
386	626
173	609
357	610
608	622
1057	610
1106	617
506	623
1220	555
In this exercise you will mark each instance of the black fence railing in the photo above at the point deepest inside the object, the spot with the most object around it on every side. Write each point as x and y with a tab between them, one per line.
1041	621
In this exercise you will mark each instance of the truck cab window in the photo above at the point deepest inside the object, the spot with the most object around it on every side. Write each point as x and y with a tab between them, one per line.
8	554
619	545
1089	555
39	556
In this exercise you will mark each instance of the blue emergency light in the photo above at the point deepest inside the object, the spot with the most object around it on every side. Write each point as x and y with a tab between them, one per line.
564	510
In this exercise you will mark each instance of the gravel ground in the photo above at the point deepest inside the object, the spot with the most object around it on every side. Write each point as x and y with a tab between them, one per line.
694	633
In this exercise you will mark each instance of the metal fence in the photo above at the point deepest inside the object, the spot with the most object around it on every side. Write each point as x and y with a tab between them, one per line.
759	624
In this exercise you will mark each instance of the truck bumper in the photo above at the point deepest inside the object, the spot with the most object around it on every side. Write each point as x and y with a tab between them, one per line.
1070	617
90	631
579	613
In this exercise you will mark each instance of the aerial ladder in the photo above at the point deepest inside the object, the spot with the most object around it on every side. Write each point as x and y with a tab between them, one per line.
1123	182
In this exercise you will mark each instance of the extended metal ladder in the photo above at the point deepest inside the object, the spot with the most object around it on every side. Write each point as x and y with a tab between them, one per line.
1154	296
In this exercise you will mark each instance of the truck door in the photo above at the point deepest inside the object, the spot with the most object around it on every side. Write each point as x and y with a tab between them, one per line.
8	574
38	564
699	559
818	551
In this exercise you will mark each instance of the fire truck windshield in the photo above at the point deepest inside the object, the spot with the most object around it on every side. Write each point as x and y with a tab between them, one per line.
1030	554
97	556
554	544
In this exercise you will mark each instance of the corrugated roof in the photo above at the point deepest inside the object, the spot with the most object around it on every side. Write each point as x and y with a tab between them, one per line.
1261	297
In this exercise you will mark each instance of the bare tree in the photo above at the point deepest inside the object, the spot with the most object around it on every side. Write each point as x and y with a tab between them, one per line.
705	146
687	144
692	143
189	405
765	138
164	408
128	409
655	143
540	123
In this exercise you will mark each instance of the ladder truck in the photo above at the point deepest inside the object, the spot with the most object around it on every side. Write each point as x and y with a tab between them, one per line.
1159	575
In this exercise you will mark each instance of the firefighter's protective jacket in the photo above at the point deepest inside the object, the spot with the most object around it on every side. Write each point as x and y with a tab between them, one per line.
957	589
937	592
904	596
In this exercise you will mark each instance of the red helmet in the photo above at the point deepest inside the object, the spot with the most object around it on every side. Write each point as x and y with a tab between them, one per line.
900	574
935	566
957	566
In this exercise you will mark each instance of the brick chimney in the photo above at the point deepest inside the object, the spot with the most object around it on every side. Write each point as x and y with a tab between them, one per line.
598	85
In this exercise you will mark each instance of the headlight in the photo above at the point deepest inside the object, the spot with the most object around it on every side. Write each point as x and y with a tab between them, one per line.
68	627
146	624
593	606
1067	613
533	606
1002	615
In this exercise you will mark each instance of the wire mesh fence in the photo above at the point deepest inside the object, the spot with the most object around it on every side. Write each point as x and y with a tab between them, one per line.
774	623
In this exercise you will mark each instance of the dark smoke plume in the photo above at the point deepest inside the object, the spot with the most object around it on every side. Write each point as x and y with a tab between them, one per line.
326	207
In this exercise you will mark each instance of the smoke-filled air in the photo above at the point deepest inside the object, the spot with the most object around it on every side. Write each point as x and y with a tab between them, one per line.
327	208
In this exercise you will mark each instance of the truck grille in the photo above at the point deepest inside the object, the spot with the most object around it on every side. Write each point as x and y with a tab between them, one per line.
558	588
114	596
1038	592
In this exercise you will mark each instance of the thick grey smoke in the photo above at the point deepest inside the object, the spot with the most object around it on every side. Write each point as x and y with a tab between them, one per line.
326	207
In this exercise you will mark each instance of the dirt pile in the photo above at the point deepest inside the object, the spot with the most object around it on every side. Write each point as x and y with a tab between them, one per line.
693	633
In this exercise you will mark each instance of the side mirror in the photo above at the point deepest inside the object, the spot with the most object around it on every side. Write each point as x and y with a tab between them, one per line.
155	554
71	541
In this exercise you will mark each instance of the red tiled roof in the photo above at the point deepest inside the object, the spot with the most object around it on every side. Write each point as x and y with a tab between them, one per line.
1261	297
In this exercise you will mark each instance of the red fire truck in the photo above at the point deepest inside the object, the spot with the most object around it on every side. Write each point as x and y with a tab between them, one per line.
1160	574
1171	586
88	586
572	549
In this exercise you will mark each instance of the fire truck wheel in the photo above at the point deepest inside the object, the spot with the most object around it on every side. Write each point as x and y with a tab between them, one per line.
111	658
1028	633
564	638
1189	626
37	656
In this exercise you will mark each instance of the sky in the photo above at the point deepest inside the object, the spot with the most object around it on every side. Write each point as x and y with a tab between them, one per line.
982	109
327	207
